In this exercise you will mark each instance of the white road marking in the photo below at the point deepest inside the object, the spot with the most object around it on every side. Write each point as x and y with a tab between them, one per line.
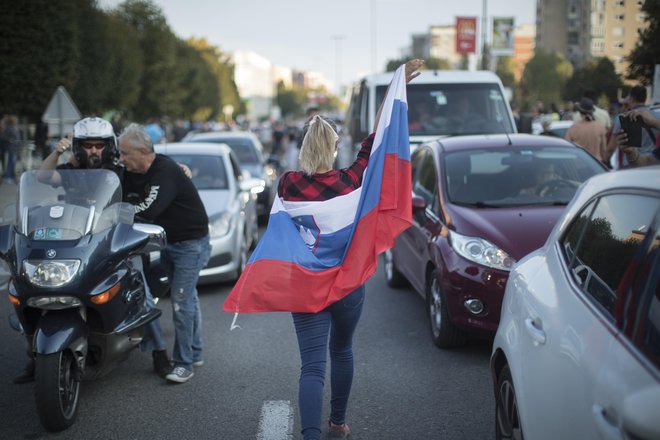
276	421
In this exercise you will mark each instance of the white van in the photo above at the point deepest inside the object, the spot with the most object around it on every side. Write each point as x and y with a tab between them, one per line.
440	103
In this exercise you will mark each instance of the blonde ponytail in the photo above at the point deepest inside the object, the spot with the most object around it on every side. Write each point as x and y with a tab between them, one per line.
318	146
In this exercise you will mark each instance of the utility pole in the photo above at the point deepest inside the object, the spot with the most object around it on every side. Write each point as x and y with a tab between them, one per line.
484	34
338	39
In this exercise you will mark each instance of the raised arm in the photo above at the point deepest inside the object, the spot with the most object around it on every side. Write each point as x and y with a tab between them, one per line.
412	71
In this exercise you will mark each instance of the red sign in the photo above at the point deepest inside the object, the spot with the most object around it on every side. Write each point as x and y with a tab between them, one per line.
466	34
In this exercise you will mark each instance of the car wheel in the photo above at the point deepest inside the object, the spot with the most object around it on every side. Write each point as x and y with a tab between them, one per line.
507	418
393	277
443	332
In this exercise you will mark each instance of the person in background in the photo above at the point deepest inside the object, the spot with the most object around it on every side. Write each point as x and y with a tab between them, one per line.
317	181
10	138
588	133
154	130
546	123
634	156
636	100
164	195
600	115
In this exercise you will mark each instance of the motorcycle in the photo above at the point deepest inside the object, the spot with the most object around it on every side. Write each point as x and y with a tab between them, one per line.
76	259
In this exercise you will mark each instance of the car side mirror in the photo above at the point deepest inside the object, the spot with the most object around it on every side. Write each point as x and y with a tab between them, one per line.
418	204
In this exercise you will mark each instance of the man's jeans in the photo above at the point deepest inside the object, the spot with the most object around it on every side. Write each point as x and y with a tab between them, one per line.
184	260
339	320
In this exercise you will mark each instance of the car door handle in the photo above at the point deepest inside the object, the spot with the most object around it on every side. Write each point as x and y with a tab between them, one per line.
535	330
607	427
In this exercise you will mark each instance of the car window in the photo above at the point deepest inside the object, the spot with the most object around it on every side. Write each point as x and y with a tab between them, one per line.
450	109
208	172
426	182
517	176
244	150
603	244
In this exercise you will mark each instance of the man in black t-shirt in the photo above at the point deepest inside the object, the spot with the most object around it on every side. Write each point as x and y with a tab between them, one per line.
165	196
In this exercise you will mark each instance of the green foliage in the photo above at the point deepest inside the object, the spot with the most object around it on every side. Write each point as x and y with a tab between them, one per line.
429	64
646	54
291	101
544	78
598	75
39	53
505	71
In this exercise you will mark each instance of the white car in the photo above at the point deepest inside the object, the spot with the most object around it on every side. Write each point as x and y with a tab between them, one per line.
558	128
577	350
230	201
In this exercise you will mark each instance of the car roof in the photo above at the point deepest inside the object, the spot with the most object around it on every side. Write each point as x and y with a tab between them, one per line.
439	76
471	142
647	178
193	148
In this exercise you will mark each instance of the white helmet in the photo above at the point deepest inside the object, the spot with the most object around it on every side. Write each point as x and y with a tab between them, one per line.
94	129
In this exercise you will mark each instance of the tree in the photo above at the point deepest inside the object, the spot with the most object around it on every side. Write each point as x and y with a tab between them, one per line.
505	71
429	64
160	93
544	78
291	101
646	53
597	74
39	53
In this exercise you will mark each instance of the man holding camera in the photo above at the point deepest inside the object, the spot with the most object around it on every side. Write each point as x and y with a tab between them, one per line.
635	156
636	101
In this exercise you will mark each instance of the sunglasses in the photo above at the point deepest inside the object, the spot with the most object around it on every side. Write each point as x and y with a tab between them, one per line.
89	146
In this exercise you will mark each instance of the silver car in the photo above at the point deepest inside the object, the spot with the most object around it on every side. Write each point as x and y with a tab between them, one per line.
249	151
577	351
230	201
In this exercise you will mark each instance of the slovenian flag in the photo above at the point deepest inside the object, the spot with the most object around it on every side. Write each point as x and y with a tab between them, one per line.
315	253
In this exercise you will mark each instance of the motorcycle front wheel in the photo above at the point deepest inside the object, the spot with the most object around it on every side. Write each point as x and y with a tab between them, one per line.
56	390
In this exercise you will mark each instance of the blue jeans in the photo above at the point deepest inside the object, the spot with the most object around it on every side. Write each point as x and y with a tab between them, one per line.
339	320
184	260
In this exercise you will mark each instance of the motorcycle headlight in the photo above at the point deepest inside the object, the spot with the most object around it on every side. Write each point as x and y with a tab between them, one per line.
51	273
54	302
220	225
481	251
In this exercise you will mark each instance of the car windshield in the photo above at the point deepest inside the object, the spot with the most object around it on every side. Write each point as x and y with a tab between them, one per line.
208	172
517	176
454	109
245	151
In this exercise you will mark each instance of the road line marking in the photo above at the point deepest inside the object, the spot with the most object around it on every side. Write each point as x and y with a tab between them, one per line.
276	421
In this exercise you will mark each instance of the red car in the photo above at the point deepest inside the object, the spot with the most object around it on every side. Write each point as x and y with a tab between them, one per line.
480	203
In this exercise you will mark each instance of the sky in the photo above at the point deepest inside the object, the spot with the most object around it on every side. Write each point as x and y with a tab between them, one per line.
342	39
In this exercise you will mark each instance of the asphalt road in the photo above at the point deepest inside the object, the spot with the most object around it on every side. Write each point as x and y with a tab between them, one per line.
404	387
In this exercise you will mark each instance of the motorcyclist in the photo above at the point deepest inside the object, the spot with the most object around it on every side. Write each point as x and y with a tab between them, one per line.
94	146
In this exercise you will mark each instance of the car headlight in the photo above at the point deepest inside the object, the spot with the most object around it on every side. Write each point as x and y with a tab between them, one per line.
270	172
220	225
480	251
51	273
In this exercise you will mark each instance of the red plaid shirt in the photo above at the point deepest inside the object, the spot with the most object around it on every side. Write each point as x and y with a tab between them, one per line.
296	186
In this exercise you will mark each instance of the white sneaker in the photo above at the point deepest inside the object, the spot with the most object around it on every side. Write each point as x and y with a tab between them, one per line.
198	363
179	375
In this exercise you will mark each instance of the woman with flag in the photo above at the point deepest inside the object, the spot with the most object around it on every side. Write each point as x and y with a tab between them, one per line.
325	232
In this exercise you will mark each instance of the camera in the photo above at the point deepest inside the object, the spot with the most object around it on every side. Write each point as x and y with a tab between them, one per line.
633	129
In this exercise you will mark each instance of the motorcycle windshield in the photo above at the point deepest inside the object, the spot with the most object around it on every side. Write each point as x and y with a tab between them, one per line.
68	204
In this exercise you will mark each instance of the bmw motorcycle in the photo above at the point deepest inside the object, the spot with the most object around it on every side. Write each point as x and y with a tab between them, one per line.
77	285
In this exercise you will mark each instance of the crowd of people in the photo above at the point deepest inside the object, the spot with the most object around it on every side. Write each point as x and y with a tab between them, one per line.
599	131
